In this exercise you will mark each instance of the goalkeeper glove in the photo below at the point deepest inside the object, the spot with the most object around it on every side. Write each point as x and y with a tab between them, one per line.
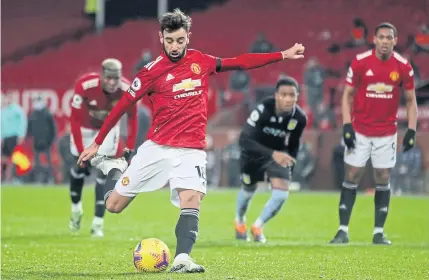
349	136
409	140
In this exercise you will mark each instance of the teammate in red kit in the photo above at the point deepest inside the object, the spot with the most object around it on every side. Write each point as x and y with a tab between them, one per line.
369	106
94	97
177	85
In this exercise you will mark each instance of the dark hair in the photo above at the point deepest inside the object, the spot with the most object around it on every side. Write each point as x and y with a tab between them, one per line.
175	20
288	81
386	25
358	22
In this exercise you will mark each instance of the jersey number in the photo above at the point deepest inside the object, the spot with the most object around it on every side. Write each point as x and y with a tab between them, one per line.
201	173
151	64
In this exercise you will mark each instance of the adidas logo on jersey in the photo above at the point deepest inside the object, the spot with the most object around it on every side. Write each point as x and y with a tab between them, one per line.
169	77
369	73
273	119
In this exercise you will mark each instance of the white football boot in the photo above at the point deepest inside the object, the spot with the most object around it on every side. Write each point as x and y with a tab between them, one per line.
105	163
184	264
97	227
76	217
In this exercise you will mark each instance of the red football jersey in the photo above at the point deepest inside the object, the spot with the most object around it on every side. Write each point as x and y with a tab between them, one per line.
90	105
179	94
378	88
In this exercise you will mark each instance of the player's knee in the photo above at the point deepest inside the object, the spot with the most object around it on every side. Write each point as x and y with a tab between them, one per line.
101	179
114	174
353	175
279	184
382	176
113	206
190	199
76	172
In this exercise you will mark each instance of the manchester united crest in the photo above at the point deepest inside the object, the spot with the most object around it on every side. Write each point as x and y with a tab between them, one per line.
394	76
196	68
125	181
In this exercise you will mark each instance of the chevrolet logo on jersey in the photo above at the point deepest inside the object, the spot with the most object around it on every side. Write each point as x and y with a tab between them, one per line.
379	88
187	85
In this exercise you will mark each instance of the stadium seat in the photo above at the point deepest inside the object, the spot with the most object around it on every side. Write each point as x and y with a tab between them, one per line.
45	17
127	41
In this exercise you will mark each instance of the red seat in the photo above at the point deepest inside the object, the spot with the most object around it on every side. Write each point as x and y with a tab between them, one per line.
35	21
283	23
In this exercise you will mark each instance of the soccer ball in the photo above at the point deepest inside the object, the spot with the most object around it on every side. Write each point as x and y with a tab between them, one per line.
151	255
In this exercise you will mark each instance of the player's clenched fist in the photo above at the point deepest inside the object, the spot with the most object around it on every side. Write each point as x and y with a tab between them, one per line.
296	52
409	140
283	159
349	136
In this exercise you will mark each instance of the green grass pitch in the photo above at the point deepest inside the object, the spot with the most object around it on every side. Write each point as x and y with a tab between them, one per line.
36	243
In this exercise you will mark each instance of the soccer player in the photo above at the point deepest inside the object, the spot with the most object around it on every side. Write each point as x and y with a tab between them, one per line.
94	97
269	143
177	85
369	107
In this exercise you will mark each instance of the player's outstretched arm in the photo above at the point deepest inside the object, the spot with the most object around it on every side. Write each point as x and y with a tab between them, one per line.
118	111
256	60
132	126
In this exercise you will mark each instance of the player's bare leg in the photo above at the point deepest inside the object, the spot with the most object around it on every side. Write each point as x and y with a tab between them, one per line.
113	169
279	194
347	200
381	203
187	232
115	202
243	200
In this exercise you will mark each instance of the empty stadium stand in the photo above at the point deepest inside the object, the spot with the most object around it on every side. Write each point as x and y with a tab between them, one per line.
28	25
283	22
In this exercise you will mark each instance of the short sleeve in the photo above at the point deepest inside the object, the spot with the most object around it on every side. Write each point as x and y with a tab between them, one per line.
141	85
408	77
352	78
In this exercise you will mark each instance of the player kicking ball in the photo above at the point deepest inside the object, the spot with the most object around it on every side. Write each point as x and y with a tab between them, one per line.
369	107
177	85
269	144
